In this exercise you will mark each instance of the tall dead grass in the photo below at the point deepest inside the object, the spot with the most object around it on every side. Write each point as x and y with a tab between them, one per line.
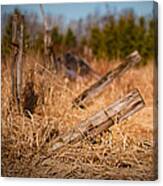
126	151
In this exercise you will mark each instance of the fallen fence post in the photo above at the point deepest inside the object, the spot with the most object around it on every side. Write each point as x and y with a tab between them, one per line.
98	86
113	114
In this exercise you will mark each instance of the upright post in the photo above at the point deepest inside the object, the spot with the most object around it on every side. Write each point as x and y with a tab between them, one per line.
17	48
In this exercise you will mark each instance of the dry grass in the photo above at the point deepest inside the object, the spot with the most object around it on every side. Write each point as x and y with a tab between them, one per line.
126	151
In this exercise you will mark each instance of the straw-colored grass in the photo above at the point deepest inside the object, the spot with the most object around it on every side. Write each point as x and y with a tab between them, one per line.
126	151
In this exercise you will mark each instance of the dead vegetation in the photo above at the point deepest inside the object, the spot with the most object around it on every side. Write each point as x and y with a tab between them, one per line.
126	151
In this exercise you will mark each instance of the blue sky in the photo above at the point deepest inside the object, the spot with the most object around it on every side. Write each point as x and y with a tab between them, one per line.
75	11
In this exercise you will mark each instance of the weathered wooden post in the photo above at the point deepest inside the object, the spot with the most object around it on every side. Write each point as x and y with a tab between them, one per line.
15	47
98	86
46	34
113	114
16	65
20	59
49	56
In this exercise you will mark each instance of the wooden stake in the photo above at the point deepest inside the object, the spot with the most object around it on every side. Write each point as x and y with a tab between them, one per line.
113	114
98	87
14	54
16	65
49	56
20	60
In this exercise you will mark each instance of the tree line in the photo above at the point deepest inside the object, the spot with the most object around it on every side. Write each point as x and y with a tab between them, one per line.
113	38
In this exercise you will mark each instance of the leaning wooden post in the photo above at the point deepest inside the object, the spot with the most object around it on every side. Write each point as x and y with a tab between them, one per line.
113	114
98	86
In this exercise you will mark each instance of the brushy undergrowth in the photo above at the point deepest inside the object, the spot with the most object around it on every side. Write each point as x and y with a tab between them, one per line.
125	151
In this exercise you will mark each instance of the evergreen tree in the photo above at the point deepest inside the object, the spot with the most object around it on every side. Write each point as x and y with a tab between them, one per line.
150	39
140	42
129	35
121	27
70	39
97	42
56	36
57	39
111	38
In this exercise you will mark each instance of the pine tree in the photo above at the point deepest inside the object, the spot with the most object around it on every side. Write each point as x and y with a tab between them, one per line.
141	35
111	38
96	42
129	35
70	39
56	36
57	39
150	39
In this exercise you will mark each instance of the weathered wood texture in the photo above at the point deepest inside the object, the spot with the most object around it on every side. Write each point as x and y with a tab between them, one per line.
98	86
44	18
14	54
17	57
47	38
49	55
113	114
20	60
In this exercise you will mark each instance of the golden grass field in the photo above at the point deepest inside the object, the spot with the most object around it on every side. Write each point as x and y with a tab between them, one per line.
125	151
